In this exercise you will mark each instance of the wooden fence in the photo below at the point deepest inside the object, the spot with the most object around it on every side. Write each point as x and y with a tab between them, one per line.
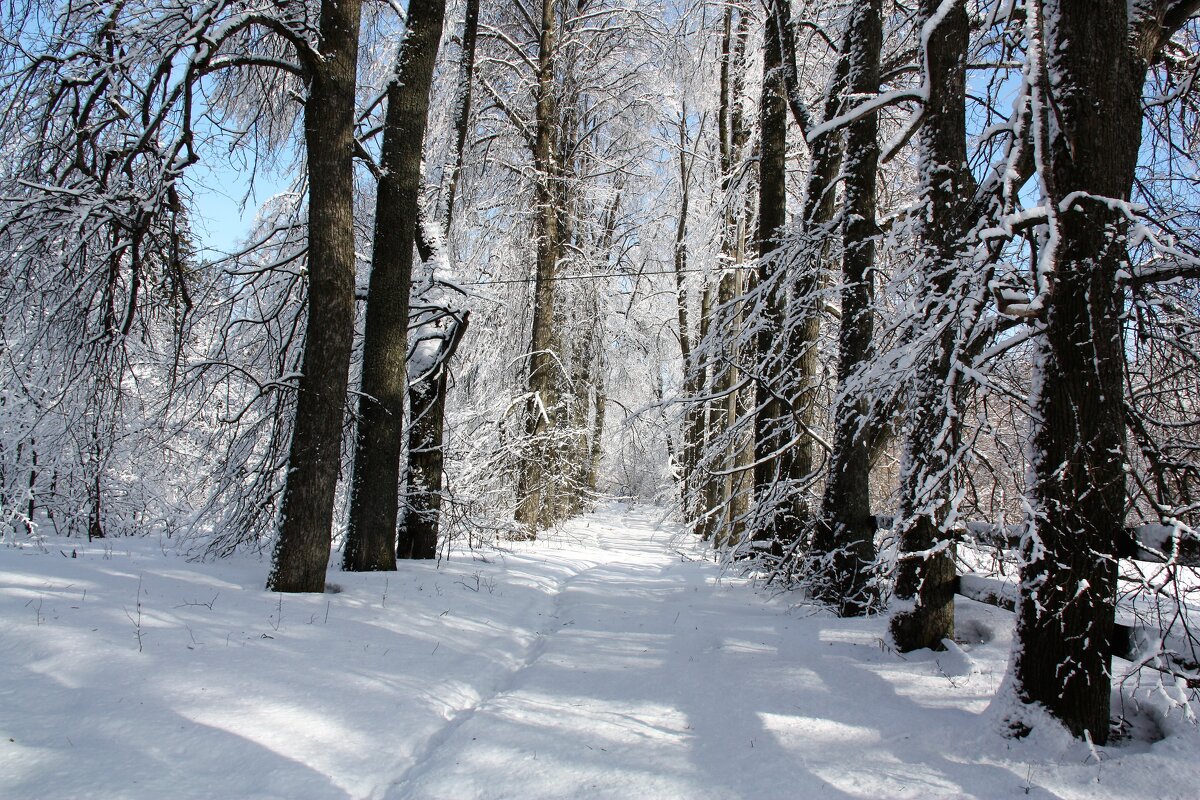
1176	653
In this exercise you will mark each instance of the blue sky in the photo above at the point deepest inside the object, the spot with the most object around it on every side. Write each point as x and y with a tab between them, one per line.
224	204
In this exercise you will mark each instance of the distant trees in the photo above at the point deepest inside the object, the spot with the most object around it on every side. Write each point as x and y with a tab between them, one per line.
574	79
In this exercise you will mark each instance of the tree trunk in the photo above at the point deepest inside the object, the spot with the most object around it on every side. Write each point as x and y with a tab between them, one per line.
803	378
306	515
371	536
844	540
770	423
741	406
693	373
427	404
704	377
1092	82
462	110
926	571
537	492
592	481
718	482
722	408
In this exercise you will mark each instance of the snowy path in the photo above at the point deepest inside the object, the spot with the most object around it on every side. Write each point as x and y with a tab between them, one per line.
610	660
649	680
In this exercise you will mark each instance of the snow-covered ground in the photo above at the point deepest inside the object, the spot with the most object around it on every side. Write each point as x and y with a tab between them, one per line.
611	660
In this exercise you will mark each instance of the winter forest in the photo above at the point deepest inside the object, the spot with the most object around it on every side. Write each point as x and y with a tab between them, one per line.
870	319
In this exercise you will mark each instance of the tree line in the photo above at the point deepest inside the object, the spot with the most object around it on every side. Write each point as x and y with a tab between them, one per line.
791	264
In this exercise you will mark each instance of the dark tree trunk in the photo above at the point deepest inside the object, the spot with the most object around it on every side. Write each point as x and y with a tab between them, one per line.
926	571
844	539
770	429
596	452
1098	61
371	536
306	515
427	404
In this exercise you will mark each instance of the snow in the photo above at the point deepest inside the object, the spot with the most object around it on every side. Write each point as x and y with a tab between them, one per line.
612	659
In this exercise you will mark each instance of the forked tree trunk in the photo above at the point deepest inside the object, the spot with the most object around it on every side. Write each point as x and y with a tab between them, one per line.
844	540
801	380
306	515
371	536
926	571
803	336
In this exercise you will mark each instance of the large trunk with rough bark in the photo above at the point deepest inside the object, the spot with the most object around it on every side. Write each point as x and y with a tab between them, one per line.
371	536
926	572
1092	81
843	545
301	553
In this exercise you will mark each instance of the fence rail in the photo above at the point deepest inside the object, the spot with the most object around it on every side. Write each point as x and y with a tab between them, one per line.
1178	654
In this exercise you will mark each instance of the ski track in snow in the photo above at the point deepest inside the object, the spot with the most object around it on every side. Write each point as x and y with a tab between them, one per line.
611	659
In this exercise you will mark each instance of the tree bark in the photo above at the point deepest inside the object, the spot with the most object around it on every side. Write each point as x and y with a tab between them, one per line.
722	408
301	552
802	378
371	536
596	453
1095	67
844	540
426	457
537	490
693	373
770	422
462	111
926	572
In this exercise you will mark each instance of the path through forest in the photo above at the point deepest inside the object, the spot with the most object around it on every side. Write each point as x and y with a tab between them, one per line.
611	659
